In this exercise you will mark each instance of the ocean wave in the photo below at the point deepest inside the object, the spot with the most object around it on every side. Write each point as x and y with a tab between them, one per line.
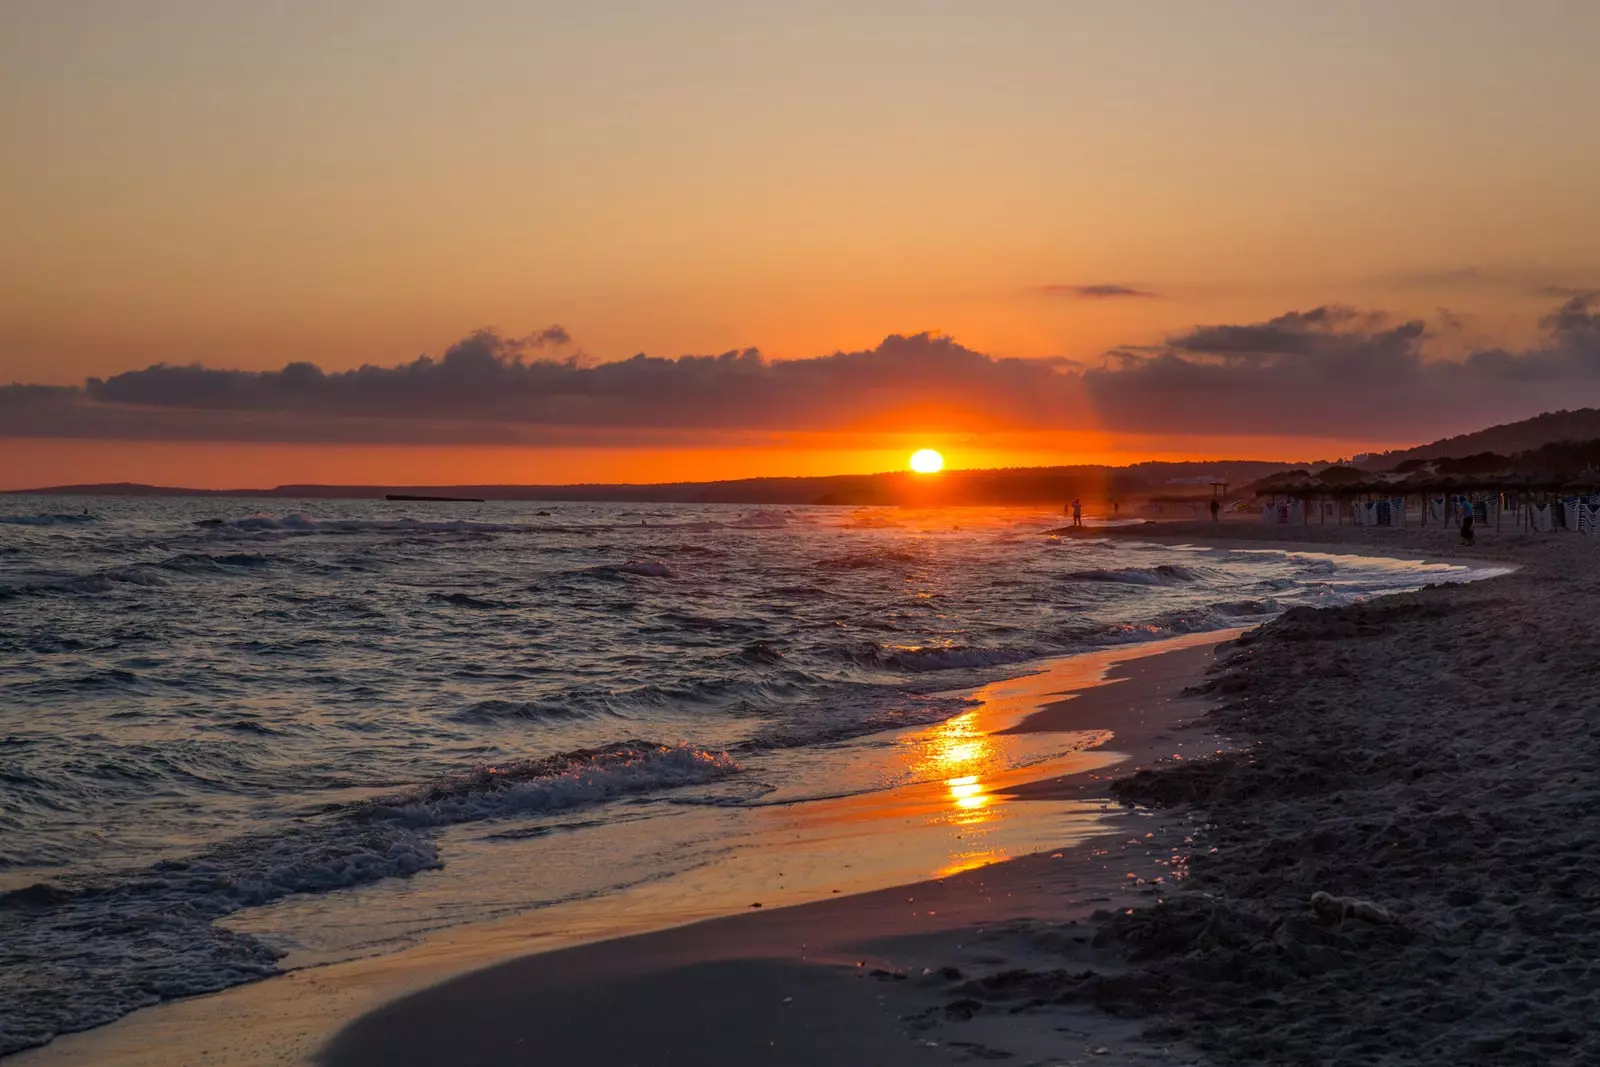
761	653
920	660
1191	620
207	563
140	574
678	621
536	710
48	519
1162	574
467	600
637	568
703	526
93	584
801	592
300	523
870	520
888	708
1237	608
872	558
734	692
84	954
587	776
760	520
690	550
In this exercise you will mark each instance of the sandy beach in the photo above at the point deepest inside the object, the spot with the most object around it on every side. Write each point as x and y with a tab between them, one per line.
1429	752
1432	753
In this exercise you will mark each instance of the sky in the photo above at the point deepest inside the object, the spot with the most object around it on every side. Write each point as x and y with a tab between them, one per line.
1022	233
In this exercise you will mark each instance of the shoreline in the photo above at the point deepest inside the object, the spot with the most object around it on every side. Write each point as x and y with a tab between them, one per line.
288	1018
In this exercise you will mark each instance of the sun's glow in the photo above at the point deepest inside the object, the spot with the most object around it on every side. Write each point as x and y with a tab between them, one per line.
926	461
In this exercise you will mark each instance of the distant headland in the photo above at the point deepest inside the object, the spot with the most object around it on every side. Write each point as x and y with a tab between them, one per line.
1031	485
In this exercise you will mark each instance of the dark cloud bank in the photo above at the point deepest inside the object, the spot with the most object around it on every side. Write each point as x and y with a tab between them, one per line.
1330	371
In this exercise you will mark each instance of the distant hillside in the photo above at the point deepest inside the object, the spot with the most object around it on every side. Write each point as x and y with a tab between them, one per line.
1560	466
1023	485
1508	439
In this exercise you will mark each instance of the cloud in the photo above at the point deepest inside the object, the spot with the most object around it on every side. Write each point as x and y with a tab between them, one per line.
1528	281
1338	368
1329	369
1100	292
487	379
550	335
1564	292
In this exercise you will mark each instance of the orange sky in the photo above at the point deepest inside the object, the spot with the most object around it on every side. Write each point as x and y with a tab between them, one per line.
249	185
233	465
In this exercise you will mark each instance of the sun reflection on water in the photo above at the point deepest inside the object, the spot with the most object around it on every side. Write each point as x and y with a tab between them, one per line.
968	792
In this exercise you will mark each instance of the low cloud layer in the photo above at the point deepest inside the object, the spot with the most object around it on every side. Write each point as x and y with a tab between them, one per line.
1327	371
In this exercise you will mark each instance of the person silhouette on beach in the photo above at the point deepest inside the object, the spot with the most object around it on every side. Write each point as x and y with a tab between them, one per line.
1467	519
1077	513
1216	509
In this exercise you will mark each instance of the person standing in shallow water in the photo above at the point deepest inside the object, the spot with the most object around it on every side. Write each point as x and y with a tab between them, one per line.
1216	509
1077	513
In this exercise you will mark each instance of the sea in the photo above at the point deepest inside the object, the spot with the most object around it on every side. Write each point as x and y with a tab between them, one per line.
239	736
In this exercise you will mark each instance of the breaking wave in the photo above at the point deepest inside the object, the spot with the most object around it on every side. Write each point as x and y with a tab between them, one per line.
940	657
587	776
1163	574
151	935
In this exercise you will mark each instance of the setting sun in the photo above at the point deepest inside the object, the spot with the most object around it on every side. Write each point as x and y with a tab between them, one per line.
926	461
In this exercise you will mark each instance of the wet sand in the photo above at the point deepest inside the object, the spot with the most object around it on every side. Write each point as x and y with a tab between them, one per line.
861	980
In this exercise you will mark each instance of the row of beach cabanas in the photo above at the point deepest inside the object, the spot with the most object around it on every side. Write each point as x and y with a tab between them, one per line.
1545	506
